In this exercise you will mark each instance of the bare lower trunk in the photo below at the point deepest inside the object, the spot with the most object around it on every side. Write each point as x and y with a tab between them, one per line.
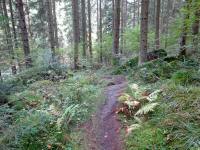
24	33
84	34
183	38
90	29
116	28
100	31
157	34
75	12
55	24
143	32
195	31
50	27
28	19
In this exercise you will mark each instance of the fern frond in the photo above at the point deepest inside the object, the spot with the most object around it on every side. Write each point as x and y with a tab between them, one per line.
153	96
146	109
138	119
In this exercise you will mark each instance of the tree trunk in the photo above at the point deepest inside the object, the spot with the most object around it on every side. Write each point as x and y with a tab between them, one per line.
167	23
134	13
195	30
28	19
75	13
122	26
9	38
183	38
50	27
144	31
138	12
116	29
113	15
157	34
55	24
89	29
84	35
13	24
24	33
100	31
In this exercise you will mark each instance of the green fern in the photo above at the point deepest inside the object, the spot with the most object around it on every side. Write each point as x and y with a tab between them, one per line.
146	109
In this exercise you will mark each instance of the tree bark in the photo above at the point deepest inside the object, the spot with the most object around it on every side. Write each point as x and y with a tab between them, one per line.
28	19
14	69
100	31
183	38
24	33
116	29
113	15
195	30
89	29
122	26
157	34
138	12
143	32
84	35
9	39
50	27
55	24
75	13
13	24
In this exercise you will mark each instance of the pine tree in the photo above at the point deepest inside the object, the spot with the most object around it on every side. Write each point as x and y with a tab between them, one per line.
24	32
75	13
157	35
144	31
116	30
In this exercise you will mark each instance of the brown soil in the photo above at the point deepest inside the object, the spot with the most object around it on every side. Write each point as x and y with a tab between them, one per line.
102	132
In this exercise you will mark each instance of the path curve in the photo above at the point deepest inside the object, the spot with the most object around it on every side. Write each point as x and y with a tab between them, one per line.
102	132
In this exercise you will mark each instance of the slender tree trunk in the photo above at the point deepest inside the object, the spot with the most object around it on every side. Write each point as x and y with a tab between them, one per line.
89	29
75	13
100	31
14	69
195	30
50	27
13	24
157	34
183	38
167	22
116	29
122	26
113	15
97	20
24	33
55	24
9	38
144	32
84	34
28	20
138	12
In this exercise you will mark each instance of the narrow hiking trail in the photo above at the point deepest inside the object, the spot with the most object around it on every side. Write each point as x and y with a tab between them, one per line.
102	132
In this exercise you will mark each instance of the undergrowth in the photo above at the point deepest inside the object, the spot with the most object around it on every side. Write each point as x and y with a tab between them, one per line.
43	107
174	122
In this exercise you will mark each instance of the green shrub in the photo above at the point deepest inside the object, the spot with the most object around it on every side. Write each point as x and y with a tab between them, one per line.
37	130
182	77
146	137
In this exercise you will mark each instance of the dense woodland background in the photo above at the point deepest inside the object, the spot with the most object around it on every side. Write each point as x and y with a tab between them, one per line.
53	54
41	32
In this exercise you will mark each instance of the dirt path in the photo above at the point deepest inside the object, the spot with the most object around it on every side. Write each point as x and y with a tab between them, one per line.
102	132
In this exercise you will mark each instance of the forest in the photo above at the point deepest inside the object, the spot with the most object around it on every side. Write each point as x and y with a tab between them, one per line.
99	75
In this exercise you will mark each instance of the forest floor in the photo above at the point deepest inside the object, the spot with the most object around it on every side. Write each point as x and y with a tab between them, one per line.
102	131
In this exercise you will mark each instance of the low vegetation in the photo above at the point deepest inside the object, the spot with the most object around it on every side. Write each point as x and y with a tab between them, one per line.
161	106
44	113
